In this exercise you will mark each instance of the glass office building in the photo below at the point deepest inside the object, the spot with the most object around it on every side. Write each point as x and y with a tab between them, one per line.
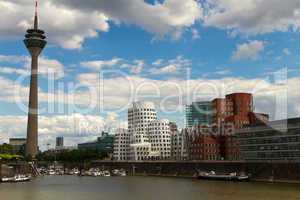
199	113
278	140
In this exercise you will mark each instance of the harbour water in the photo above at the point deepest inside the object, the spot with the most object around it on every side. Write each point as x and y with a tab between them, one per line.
143	188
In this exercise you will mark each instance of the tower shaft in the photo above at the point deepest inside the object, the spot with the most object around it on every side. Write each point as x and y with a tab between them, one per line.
32	127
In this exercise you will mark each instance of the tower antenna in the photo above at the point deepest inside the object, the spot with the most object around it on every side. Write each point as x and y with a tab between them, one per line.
36	22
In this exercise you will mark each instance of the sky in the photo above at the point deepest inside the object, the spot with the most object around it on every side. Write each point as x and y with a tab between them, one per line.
103	55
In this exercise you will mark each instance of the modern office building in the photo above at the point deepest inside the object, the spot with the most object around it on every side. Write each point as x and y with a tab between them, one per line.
203	144
229	147
105	143
160	139
35	43
139	118
199	113
277	140
238	107
59	143
178	145
219	110
140	115
122	145
237	110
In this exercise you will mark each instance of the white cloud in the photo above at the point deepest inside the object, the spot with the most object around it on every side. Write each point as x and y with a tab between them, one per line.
12	70
158	18
75	127
99	64
250	50
48	68
252	17
169	69
223	72
195	34
286	51
158	62
68	23
173	66
65	27
137	67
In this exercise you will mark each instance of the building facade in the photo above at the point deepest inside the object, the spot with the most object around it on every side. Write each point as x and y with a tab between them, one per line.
160	139
236	111
202	145
147	138
277	140
238	107
219	109
59	143
199	113
178	145
122	145
105	144
140	115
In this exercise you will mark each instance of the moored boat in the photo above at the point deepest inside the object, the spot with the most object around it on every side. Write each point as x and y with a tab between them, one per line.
16	178
106	173
22	178
7	179
117	172
223	177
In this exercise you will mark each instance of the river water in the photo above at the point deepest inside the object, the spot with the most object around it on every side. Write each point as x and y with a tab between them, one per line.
144	188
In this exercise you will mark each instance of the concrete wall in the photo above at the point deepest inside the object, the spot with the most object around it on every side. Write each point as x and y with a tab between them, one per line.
276	171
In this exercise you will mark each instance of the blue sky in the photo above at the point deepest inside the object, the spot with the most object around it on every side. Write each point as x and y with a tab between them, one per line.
223	47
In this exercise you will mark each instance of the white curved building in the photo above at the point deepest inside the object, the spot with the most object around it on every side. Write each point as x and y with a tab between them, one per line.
122	145
147	138
160	139
139	117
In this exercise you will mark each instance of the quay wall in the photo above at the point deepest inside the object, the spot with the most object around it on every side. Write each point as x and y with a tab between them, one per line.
272	171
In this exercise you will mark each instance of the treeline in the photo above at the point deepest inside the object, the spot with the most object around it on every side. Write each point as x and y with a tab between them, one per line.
7	153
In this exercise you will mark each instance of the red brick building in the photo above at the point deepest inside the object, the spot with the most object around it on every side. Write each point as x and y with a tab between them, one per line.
202	144
236	109
219	107
218	141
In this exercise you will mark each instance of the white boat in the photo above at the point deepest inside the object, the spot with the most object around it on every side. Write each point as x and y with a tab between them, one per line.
106	173
51	172
117	172
22	178
16	178
224	177
7	179
76	171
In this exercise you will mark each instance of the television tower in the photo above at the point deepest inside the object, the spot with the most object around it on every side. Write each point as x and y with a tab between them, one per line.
35	43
